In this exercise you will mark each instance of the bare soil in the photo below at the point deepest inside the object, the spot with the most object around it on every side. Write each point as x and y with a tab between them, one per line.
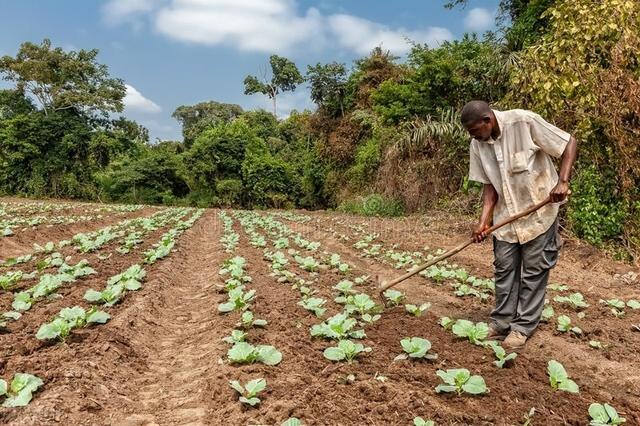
160	360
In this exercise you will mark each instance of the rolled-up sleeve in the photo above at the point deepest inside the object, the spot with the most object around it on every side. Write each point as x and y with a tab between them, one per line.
476	171
548	137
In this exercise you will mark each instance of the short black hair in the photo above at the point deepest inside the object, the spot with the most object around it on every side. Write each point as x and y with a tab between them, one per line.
474	111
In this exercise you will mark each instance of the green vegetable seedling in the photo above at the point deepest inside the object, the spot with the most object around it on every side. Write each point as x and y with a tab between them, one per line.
417	311
393	296
68	319
314	304
604	414
247	321
476	333
416	347
249	391
575	300
502	356
338	327
235	337
564	325
21	390
345	351
419	421
245	353
559	378
459	380
446	322
547	313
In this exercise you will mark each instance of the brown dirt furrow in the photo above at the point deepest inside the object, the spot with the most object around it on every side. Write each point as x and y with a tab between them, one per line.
608	376
140	367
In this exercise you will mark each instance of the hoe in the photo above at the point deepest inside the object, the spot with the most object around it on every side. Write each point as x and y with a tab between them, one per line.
384	285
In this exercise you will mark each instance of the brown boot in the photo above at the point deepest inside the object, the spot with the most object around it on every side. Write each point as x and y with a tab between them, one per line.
495	334
515	340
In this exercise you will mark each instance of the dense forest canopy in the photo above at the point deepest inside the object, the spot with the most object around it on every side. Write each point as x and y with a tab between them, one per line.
383	127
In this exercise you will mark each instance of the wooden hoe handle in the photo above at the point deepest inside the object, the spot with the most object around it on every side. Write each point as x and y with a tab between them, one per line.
462	246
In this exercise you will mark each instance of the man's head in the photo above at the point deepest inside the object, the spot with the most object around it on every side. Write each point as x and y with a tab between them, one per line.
478	119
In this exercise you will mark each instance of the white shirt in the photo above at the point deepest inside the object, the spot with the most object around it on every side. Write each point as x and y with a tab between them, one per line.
518	164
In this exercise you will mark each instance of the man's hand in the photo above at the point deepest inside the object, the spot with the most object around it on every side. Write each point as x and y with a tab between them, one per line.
560	192
478	234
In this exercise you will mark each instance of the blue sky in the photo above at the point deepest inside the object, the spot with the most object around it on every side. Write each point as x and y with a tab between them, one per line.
180	52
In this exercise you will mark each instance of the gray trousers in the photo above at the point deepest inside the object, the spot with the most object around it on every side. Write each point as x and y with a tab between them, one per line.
521	275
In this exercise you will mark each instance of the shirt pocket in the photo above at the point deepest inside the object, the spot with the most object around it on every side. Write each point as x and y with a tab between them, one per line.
520	161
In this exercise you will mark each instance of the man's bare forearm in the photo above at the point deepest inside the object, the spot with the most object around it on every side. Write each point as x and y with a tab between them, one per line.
569	155
568	158
489	200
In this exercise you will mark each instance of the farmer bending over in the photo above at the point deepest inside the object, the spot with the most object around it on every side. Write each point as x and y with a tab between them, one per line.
510	154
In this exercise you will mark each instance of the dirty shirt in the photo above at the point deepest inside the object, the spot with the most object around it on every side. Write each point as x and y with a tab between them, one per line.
519	166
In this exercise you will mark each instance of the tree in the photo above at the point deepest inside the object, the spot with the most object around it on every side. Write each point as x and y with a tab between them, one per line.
284	78
443	77
13	102
583	75
218	154
202	116
522	21
327	83
61	80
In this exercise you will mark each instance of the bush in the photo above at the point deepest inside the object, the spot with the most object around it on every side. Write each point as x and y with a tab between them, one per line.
229	191
373	205
265	176
596	213
366	164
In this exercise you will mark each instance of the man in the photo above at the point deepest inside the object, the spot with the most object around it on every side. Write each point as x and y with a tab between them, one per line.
510	154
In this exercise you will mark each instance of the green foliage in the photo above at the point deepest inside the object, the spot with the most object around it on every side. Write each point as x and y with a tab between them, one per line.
68	319
338	327
596	213
244	353
476	333
21	390
328	85
416	310
502	355
604	414
270	181
416	347
154	176
248	392
559	379
394	296
218	153
345	351
197	118
459	380
443	77
284	78
62	80
366	163
575	300
229	192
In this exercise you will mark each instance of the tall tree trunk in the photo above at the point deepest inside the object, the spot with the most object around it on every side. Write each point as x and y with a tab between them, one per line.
275	111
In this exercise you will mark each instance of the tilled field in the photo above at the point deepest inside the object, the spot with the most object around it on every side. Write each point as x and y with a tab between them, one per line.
170	348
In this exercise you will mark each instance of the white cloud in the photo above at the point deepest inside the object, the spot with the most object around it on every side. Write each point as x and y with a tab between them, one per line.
135	101
362	35
266	25
479	19
116	12
253	25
